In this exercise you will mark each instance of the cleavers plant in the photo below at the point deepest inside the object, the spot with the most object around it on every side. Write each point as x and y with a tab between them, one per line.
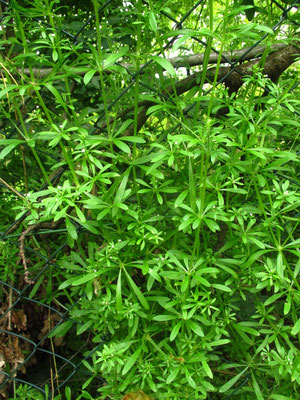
176	190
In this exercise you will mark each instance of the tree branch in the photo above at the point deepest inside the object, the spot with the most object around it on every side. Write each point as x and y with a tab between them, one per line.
227	56
276	63
177	62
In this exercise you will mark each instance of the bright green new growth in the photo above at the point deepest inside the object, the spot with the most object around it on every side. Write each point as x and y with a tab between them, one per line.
28	12
157	199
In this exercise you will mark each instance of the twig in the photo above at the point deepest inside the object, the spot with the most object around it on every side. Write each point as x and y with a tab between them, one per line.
10	311
22	253
48	225
11	188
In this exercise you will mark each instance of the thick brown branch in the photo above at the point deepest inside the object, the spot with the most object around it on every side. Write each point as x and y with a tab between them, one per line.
276	63
177	62
227	56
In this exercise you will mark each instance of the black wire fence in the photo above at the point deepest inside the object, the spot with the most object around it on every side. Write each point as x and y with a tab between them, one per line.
25	355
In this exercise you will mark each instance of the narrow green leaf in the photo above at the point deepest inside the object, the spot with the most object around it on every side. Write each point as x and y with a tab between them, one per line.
133	139
102	214
7	89
175	331
88	76
152	21
207	369
155	108
232	381
247	329
263	28
273	298
112	58
36	287
192	185
87	365
287	305
185	284
180	41
185	224
191	381
164	317
297	268
221	287
56	94
296	328
119	292
80	214
54	55
66	283
122	146
86	384
84	327
256	388
172	376
68	393
259	243
258	154
220	342
280	266
90	227
173	275
165	64
4	142
254	257
121	189
213	226
9	148
131	360
181	198
61	329
28	11
71	229
294	243
195	327
243	335
143	159
84	279
137	291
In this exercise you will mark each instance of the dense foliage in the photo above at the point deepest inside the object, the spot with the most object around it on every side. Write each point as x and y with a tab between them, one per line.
162	193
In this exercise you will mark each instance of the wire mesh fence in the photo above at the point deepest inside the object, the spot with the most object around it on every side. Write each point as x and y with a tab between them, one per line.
33	324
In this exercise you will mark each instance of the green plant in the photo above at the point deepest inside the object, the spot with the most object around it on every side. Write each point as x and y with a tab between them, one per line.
177	195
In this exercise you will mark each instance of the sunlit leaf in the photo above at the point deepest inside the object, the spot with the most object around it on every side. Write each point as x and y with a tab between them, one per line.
165	64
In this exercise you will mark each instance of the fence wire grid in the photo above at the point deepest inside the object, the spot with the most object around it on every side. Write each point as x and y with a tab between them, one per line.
13	321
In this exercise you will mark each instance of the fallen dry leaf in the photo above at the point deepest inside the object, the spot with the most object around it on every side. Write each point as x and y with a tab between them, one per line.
140	395
19	320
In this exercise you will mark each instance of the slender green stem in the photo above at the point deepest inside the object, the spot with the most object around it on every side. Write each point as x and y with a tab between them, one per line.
61	60
25	134
136	97
262	207
69	162
206	57
99	61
